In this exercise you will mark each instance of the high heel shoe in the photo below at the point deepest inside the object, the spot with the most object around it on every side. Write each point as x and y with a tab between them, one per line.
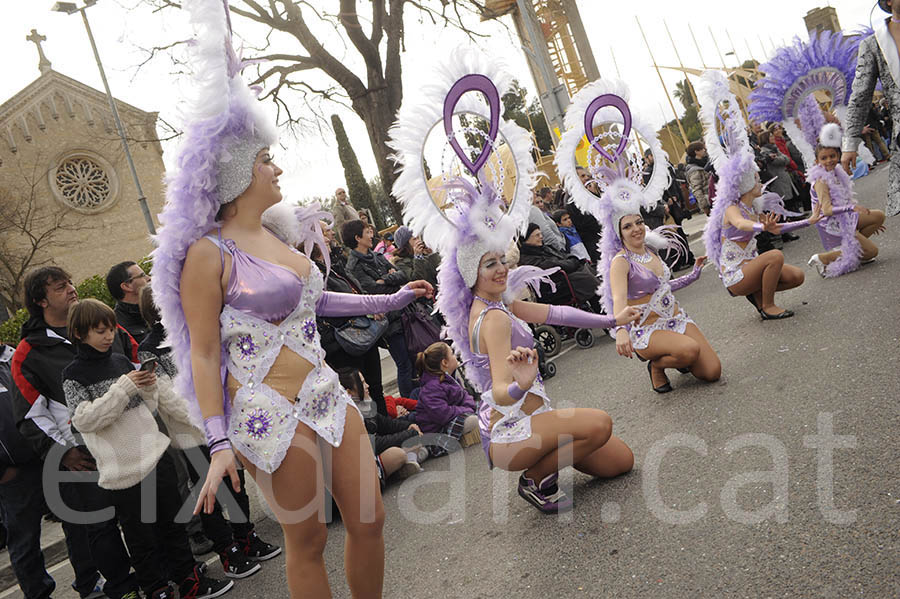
684	370
662	388
766	316
752	300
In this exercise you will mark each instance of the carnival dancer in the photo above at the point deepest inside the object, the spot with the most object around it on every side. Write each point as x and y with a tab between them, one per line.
825	63
240	307
847	227
520	430
741	209
632	273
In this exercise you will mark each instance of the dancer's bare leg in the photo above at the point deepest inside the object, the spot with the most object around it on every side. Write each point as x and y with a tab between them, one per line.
612	459
870	223
668	349
762	278
547	451
295	494
354	484
707	366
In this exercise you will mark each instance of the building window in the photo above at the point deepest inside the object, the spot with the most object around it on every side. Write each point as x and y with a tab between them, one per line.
84	182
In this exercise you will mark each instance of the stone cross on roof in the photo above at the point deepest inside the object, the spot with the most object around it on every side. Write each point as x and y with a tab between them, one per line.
37	38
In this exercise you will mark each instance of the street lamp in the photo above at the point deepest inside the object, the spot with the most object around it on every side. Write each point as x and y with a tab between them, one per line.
71	8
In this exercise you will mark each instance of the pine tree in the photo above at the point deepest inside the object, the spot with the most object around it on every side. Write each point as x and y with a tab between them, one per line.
358	192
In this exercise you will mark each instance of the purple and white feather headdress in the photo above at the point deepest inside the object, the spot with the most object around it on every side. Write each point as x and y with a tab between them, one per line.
615	163
825	63
466	214
224	130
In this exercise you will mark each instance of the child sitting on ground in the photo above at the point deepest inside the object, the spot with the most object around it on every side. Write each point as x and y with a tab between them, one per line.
563	222
444	406
112	405
387	434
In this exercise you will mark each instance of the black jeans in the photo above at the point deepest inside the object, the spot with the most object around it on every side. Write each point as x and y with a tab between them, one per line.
94	547
159	547
22	505
219	530
369	364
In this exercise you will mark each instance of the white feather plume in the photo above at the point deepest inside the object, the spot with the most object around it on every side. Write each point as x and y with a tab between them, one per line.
415	121
587	202
712	92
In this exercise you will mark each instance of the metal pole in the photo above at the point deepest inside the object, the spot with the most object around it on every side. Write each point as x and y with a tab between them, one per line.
662	81
112	104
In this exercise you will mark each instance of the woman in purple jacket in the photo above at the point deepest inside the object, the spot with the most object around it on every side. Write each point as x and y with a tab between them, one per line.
444	406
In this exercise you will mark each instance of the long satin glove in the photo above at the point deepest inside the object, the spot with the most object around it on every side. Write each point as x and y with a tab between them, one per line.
568	316
685	280
785	227
840	210
351	304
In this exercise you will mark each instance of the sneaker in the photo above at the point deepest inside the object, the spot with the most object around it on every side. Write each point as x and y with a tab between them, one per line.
200	586
410	468
200	544
546	496
98	589
236	564
258	550
815	262
167	592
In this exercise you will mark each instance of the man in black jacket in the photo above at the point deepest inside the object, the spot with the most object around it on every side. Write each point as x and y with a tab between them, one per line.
378	276
125	281
42	417
21	495
587	226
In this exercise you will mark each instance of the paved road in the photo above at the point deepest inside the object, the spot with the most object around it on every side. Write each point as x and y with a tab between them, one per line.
734	493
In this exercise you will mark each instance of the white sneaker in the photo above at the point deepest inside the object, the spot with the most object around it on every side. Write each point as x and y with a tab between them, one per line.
819	266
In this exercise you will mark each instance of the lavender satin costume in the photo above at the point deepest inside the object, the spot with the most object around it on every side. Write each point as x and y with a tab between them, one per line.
515	424
261	357
670	317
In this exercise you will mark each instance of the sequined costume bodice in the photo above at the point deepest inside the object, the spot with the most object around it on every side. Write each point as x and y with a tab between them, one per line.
266	404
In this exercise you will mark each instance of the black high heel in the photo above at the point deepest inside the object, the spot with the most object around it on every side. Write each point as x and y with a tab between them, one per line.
684	370
766	316
752	300
662	388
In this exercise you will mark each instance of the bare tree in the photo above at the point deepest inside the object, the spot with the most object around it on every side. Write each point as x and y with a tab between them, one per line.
29	231
375	100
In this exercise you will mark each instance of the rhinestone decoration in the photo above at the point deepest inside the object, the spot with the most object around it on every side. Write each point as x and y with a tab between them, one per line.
490	223
666	301
321	405
259	424
672	323
247	347
309	329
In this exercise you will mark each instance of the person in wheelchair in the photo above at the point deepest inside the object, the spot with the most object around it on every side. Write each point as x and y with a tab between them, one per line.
576	284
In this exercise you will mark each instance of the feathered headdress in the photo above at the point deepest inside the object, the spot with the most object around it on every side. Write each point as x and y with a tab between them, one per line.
826	63
615	163
725	136
224	130
462	212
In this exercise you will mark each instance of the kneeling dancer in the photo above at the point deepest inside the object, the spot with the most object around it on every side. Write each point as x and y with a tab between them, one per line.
520	430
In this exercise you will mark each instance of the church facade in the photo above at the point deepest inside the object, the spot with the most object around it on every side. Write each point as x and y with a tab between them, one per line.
62	161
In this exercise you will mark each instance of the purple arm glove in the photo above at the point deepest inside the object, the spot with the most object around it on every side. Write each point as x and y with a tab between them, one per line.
573	317
216	439
792	226
351	304
841	210
685	280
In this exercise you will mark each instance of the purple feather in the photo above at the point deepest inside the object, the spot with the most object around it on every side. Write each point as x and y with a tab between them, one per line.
797	69
840	188
811	120
727	194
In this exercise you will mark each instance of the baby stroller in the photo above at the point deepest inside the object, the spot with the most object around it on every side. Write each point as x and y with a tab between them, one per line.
551	337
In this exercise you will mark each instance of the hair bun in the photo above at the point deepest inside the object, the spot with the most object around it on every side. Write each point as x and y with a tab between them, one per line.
830	136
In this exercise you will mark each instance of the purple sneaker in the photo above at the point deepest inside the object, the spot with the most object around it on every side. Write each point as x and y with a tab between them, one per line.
545	496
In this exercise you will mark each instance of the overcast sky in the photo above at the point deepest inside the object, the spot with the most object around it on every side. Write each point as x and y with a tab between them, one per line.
310	161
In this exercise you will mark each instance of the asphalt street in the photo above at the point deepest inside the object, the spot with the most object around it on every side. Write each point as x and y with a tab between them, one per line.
780	480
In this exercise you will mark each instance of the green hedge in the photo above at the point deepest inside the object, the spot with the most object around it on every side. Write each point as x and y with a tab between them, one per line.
94	287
